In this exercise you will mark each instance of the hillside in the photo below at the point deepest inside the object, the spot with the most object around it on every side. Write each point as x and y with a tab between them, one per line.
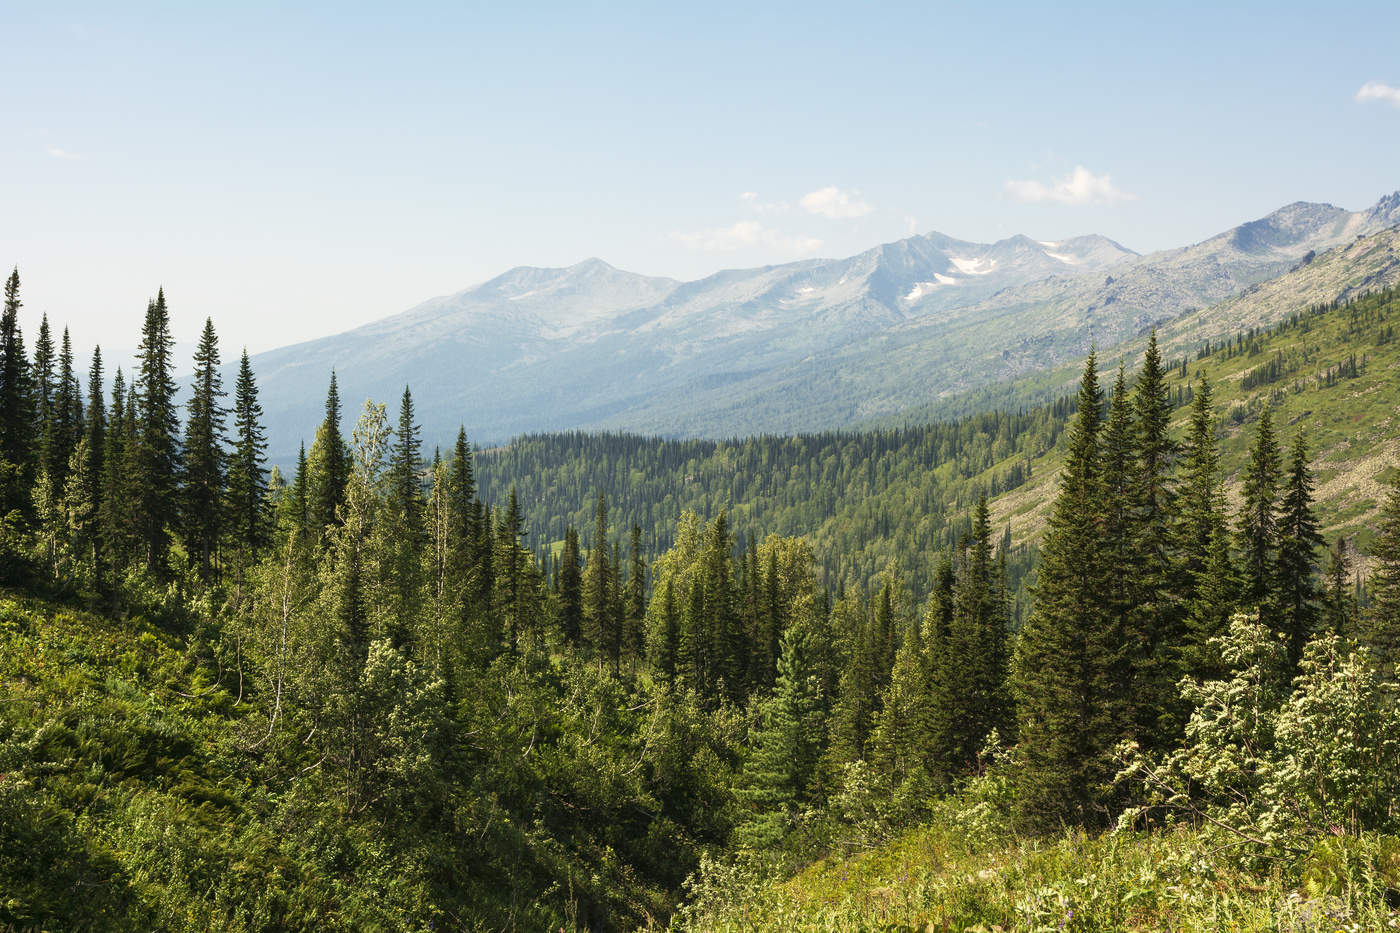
804	346
940	877
869	500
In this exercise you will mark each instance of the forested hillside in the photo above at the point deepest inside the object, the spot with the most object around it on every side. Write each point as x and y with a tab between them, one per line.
887	498
373	695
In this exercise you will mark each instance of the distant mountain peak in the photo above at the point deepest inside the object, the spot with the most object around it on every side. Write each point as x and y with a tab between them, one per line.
811	344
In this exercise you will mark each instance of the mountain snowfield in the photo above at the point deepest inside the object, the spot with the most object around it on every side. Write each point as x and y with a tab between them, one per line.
818	343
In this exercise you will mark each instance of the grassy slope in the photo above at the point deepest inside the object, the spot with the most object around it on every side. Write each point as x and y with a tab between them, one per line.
1350	426
936	879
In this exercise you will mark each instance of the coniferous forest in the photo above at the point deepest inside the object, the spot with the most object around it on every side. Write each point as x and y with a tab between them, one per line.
404	688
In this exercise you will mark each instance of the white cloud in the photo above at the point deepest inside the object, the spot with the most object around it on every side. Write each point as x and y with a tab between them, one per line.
749	196
911	224
1081	187
836	204
1374	90
745	234
64	154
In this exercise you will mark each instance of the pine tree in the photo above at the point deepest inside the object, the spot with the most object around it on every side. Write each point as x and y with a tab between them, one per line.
115	510
247	499
667	650
725	628
95	468
634	595
571	589
155	456
902	733
974	652
510	571
785	749
1205	568
16	400
1339	607
1067	672
67	412
1379	625
1156	631
205	458
407	528
45	417
597	599
1296	591
1258	522
328	466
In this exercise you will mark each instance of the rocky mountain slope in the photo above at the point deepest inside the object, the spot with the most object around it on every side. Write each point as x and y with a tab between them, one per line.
804	345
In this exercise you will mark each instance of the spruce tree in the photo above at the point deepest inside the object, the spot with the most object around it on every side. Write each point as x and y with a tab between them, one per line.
975	651
205	458
1067	672
247	498
45	429
725	629
328	466
571	590
1296	591
634	595
597	599
95	434
407	528
1339	607
666	653
785	749
155	457
67	411
1379	624
510	571
115	509
1156	631
1258	532
16	400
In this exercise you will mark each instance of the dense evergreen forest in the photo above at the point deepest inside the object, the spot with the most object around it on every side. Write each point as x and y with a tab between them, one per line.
380	693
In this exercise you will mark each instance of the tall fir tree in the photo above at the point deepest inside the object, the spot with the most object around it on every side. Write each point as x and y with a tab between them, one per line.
45	429
328	465
249	519
16	400
407	532
634	595
1068	678
597	598
68	407
115	513
1339	606
511	571
571	589
785	749
95	434
1258	533
205	457
1379	624
155	457
1156	631
1206	571
1296	590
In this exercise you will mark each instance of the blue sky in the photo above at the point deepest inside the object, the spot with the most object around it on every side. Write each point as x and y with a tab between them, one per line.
295	172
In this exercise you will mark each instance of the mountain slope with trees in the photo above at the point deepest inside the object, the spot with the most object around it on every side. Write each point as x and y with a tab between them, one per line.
364	696
806	346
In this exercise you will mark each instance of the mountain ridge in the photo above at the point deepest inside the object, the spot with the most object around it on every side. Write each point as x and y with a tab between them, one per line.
793	346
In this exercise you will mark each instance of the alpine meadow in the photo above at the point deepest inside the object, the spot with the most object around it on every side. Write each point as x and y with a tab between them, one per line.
836	577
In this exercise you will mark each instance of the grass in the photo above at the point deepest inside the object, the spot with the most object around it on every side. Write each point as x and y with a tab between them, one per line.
936	879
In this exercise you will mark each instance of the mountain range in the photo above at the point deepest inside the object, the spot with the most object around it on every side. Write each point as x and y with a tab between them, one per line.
806	345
